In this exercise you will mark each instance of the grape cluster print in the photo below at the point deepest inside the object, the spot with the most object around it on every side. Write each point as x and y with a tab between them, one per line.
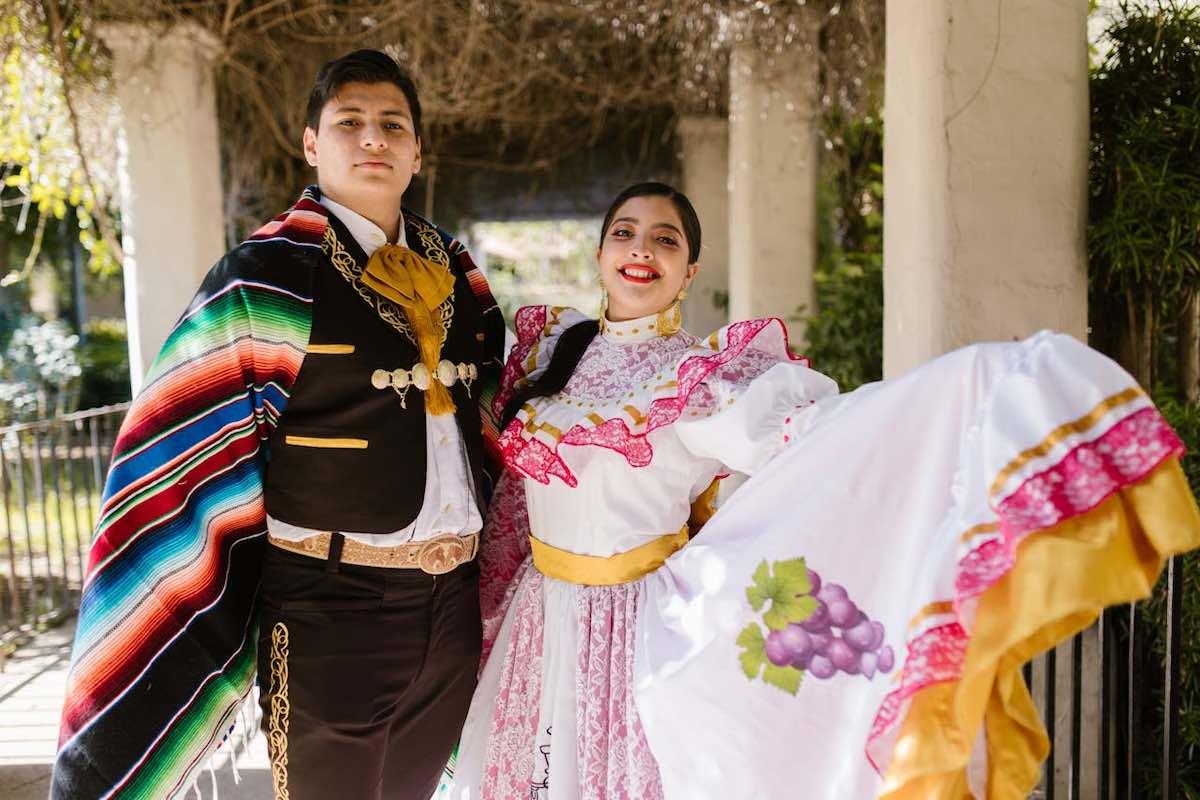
813	628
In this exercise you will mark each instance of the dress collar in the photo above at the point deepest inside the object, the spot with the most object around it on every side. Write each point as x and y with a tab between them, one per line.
631	331
369	236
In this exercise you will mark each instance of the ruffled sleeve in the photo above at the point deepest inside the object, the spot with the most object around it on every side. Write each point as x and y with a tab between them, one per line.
753	423
755	407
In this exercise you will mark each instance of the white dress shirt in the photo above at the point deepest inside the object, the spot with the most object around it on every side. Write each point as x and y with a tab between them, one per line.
449	505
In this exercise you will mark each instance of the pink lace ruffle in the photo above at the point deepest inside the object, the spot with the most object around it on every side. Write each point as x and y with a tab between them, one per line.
503	555
529	322
1086	476
729	358
509	760
615	762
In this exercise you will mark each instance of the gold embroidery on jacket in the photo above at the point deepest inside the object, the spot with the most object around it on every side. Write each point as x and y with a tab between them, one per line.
388	311
277	725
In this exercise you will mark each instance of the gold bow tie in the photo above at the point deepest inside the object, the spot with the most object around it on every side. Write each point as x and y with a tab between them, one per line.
403	277
418	286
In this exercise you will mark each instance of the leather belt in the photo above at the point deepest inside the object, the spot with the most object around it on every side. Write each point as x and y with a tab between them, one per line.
435	556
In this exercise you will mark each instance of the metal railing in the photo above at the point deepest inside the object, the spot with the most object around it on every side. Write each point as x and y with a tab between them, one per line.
1110	699
51	478
1097	693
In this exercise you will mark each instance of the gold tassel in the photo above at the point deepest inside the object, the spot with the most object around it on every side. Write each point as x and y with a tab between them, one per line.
418	286
429	340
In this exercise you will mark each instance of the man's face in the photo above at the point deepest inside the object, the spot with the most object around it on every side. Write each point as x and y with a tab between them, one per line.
365	149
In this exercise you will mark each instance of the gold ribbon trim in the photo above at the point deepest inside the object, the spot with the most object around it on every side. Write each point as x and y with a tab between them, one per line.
419	287
1060	434
1064	576
624	567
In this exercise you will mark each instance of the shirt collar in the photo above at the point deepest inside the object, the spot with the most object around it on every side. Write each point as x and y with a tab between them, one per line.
369	236
631	331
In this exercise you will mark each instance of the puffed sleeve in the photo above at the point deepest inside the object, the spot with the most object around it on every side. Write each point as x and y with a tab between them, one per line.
747	416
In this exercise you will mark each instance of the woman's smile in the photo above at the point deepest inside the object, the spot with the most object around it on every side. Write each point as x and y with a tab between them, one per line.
639	273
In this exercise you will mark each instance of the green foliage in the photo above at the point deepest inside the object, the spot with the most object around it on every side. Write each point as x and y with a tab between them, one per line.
549	262
845	335
1145	154
39	371
1185	419
104	358
1144	179
40	146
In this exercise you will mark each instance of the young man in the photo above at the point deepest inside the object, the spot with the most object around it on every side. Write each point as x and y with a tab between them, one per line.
311	425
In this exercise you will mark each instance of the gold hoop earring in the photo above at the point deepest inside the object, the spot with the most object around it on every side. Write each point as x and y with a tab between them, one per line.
670	320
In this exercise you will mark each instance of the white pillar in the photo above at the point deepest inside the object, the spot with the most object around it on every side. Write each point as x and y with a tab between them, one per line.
704	157
985	174
170	176
773	135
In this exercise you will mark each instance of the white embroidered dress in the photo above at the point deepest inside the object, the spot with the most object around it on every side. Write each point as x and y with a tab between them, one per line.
735	670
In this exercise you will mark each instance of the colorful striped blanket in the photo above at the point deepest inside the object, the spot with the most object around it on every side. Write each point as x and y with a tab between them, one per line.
164	652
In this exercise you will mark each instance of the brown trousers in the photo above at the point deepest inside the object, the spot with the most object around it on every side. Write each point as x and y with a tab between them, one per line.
365	675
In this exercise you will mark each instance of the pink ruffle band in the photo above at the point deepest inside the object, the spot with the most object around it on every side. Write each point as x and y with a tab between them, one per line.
1090	473
534	452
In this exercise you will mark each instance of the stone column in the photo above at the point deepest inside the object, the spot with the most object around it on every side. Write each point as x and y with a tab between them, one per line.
985	174
773	136
704	157
169	174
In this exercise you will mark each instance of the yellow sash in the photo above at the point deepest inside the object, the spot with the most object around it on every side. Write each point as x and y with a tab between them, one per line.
605	570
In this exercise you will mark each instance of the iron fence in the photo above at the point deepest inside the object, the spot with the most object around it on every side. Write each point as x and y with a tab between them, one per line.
51	477
1099	694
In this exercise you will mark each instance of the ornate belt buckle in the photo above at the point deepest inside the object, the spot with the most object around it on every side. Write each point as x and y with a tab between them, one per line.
442	554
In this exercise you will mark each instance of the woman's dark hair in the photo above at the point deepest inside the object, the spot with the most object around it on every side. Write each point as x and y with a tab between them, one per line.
687	214
571	345
575	339
361	66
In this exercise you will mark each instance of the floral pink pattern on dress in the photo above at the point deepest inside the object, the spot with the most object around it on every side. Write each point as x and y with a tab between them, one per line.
1086	476
1080	481
934	656
615	762
503	555
529	323
509	761
608	370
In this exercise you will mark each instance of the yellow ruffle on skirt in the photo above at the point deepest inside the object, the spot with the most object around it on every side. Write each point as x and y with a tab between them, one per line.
1063	577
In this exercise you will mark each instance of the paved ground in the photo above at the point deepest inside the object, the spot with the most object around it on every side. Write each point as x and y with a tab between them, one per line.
32	683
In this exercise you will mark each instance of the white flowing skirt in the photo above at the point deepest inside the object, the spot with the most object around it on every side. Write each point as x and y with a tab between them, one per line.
852	622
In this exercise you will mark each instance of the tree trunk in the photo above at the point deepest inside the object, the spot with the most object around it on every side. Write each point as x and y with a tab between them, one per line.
1188	352
1136	348
1149	329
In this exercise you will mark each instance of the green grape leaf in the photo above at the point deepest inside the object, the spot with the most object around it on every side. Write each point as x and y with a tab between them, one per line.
789	608
785	678
786	587
793	574
753	655
763	587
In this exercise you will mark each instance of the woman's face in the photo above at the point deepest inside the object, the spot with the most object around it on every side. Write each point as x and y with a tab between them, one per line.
643	258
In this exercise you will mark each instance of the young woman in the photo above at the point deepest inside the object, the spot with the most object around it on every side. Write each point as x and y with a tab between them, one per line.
852	622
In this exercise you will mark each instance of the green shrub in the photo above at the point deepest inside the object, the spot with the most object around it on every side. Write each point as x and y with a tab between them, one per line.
105	360
845	335
1185	418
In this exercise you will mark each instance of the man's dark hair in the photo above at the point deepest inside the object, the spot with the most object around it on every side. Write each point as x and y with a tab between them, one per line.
361	66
